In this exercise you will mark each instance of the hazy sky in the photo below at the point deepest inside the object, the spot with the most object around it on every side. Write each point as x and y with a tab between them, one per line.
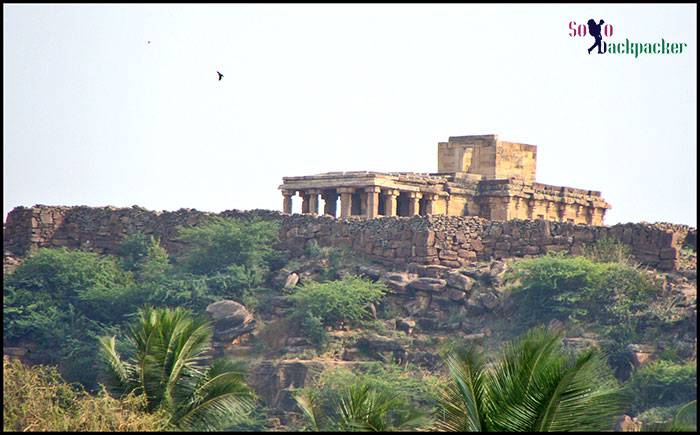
95	115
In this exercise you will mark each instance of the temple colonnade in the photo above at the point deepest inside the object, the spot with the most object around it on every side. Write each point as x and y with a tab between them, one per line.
369	202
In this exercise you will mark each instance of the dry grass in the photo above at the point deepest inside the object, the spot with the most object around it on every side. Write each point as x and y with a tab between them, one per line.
37	399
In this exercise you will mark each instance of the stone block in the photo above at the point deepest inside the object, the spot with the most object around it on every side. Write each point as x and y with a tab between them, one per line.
450	263
459	281
428	284
431	271
456	295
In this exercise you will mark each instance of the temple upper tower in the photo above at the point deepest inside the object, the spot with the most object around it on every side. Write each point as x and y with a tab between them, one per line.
487	156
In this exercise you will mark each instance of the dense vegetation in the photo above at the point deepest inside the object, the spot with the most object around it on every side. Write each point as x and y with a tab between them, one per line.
609	294
62	300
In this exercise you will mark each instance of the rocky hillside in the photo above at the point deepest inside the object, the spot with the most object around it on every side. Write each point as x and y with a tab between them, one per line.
428	310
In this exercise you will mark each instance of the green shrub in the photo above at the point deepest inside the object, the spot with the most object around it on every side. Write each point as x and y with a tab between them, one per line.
312	327
662	384
577	288
52	282
334	302
133	249
219	243
37	399
312	249
608	250
66	276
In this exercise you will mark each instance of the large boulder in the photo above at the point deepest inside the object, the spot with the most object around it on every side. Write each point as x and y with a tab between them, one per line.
231	320
291	281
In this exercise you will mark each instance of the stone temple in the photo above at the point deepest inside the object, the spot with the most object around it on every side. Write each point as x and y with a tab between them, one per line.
477	176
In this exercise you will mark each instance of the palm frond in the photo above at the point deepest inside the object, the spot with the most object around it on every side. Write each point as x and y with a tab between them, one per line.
221	396
306	401
460	408
533	386
119	373
686	418
168	365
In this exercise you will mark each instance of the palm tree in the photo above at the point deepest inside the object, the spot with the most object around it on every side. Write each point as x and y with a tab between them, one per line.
168	364
534	386
359	408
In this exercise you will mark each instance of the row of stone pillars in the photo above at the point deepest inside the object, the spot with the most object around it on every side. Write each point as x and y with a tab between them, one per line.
361	201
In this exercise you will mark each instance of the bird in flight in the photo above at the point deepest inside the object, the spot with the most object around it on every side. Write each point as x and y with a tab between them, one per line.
220	75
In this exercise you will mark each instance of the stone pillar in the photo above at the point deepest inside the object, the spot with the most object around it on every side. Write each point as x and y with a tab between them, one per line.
372	194
312	195
331	197
561	211
430	199
287	201
551	211
530	204
581	215
521	209
304	202
345	201
597	216
414	203
390	202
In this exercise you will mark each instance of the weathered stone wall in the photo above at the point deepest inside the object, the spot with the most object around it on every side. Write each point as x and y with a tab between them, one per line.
455	241
450	241
101	229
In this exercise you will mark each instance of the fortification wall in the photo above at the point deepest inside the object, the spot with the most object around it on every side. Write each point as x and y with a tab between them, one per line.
446	240
454	241
101	229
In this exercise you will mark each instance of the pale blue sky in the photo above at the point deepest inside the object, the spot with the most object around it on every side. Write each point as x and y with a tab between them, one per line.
94	115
